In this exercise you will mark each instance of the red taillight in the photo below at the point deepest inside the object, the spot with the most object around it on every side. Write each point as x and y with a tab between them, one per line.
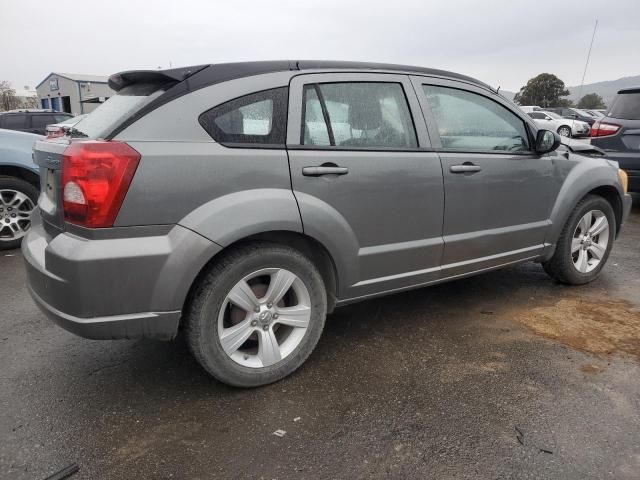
95	178
602	129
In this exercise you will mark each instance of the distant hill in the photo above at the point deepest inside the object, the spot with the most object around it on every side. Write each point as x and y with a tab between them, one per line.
607	90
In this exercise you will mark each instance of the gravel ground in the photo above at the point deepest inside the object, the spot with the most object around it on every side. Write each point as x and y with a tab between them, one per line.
503	375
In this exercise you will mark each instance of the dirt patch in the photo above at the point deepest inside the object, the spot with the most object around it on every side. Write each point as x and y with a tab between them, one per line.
603	327
591	369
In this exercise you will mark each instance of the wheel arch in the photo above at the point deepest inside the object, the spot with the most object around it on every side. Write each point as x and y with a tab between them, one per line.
583	181
21	173
308	246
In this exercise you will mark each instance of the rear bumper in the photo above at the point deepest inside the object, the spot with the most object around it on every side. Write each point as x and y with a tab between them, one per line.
113	288
158	325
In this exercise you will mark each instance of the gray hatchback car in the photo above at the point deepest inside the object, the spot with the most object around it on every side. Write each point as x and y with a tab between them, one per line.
243	202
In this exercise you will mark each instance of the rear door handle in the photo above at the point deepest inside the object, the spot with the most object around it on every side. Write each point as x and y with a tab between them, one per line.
464	168
322	170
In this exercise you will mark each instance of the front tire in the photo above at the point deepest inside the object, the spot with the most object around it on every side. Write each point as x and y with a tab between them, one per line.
256	315
585	242
564	131
18	200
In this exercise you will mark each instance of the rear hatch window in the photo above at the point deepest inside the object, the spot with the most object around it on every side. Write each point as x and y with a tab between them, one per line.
108	116
626	106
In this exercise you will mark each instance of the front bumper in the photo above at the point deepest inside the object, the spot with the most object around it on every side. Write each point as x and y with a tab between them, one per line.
634	180
113	288
627	202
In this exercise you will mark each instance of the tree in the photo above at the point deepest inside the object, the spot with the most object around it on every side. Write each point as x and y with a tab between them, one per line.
545	91
591	100
31	102
8	99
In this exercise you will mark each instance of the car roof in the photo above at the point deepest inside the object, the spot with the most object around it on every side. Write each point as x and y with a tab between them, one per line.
22	112
220	72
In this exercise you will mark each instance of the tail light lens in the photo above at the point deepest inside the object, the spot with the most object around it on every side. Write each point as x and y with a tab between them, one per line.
603	129
95	178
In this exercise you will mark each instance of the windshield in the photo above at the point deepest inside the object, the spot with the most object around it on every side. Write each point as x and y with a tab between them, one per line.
584	113
553	115
102	121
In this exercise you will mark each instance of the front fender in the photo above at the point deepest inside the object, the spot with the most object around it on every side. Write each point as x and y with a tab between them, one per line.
586	175
238	215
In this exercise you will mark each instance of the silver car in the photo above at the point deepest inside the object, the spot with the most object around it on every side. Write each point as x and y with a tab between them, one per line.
243	202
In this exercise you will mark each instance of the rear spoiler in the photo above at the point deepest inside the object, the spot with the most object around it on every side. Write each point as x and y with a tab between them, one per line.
118	81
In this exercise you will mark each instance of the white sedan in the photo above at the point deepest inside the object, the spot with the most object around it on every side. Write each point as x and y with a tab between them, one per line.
566	127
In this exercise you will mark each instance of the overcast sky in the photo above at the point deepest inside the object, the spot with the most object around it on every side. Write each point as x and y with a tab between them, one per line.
503	42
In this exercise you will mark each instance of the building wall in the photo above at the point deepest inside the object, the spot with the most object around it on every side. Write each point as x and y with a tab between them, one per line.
94	90
75	90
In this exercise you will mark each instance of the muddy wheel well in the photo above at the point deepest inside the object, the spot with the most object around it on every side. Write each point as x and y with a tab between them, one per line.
610	194
306	245
23	173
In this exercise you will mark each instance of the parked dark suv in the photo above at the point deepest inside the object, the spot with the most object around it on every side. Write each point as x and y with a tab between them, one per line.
618	134
242	202
31	121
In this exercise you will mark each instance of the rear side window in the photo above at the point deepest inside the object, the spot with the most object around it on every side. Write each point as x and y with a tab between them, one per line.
469	121
258	119
14	122
626	106
357	114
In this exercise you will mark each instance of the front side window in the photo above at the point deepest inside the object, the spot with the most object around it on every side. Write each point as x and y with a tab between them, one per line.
357	115
469	121
258	118
536	115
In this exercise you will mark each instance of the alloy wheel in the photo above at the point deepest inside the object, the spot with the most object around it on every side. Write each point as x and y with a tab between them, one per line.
264	317
16	209
590	241
564	132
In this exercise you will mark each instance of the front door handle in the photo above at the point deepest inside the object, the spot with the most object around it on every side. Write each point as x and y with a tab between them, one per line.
464	168
324	170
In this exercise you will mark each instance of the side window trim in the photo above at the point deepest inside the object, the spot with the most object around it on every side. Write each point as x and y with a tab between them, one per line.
432	128
325	115
296	101
280	104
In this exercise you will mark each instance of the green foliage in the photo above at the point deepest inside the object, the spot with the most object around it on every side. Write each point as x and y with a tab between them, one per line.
544	90
591	100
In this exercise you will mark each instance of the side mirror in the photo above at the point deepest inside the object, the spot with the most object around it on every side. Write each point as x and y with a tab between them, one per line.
546	141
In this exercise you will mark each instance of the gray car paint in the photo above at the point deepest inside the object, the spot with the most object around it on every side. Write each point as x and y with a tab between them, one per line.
386	224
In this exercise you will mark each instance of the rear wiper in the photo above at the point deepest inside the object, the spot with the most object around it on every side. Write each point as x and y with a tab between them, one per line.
74	132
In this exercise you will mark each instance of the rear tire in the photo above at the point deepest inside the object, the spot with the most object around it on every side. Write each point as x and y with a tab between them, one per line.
18	199
267	343
575	260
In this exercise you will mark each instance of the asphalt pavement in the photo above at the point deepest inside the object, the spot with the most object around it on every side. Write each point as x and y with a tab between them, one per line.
503	375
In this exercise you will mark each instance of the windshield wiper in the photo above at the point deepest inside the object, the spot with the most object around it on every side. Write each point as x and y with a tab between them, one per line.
75	133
